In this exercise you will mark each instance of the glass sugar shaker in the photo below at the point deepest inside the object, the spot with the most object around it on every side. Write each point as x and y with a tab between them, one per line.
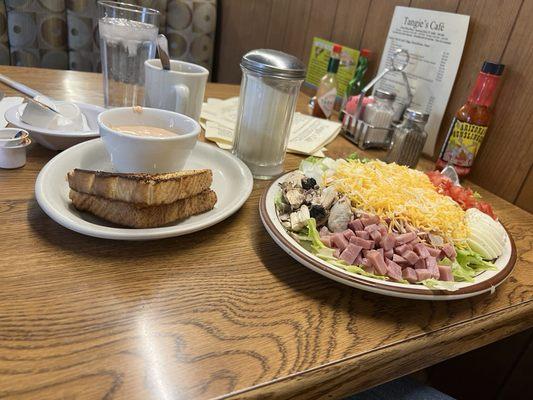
378	115
270	85
408	139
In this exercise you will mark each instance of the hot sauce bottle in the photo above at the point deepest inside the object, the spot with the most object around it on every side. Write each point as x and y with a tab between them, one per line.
327	89
470	123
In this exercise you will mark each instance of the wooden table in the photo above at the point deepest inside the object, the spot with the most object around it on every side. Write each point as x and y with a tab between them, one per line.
220	313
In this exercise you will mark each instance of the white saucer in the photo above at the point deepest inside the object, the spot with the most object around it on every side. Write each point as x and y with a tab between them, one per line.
232	182
52	139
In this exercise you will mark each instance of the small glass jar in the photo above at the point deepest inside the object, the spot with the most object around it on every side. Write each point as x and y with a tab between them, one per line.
408	139
270	85
378	116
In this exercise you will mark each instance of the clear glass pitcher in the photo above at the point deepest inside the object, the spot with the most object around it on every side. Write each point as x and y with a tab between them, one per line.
128	36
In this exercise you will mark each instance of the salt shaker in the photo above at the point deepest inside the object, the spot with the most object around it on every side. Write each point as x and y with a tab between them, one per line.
408	139
378	116
270	85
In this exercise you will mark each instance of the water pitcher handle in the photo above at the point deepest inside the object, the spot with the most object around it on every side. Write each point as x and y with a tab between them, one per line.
182	98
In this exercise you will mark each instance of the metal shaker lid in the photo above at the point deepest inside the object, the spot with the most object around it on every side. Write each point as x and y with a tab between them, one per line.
382	94
273	63
415	115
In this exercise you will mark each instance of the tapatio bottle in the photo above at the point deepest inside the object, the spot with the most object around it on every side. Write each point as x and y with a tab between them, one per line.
470	123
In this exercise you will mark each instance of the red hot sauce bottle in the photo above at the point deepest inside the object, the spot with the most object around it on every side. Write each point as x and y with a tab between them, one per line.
469	126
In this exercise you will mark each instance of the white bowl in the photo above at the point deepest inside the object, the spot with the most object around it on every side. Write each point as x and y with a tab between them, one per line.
53	139
132	153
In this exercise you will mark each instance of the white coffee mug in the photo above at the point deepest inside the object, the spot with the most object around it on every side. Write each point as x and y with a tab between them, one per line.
181	89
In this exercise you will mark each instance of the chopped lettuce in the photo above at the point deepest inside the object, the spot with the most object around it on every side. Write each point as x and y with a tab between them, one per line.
278	201
468	257
440	285
467	265
356	156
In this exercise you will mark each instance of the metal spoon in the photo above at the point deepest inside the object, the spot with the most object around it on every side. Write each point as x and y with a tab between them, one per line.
450	172
42	105
162	49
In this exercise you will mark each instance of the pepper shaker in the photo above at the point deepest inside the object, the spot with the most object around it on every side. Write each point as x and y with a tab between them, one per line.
408	139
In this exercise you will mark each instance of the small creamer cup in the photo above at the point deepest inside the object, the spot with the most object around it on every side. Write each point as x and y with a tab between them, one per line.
147	154
8	139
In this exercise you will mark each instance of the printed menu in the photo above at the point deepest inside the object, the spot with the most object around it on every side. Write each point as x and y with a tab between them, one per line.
435	42
308	135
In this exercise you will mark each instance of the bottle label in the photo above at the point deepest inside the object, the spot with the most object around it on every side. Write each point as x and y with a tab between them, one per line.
462	143
327	101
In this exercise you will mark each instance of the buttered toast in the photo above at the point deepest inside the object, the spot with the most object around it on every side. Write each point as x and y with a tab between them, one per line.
137	215
147	189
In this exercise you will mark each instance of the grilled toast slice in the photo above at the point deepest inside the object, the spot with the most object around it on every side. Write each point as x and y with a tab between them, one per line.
148	189
143	216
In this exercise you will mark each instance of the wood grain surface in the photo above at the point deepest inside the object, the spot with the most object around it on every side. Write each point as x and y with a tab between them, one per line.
498	31
222	313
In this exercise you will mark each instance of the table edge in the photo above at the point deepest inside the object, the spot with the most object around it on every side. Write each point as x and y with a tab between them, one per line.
347	376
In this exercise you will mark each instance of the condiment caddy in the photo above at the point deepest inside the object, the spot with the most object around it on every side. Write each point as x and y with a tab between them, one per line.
367	132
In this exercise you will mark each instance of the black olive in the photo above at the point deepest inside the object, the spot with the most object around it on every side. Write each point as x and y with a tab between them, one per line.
308	183
317	211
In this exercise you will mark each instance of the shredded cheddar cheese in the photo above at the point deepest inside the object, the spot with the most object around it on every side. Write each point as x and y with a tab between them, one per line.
400	193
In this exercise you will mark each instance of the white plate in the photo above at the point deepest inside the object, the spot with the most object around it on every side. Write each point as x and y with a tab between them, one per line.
484	282
57	140
232	182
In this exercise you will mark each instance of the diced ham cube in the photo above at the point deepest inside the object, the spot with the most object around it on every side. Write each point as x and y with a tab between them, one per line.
412	243
377	261
389	254
376	236
449	251
388	241
365	244
365	262
350	253
433	251
421	264
359	259
434	271
356	225
394	271
362	234
398	259
337	253
369	268
405	237
371	228
410	256
401	249
422	274
348	233
382	229
324	231
380	251
339	241
409	274
369	220
421	250
445	272
326	240
431	262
